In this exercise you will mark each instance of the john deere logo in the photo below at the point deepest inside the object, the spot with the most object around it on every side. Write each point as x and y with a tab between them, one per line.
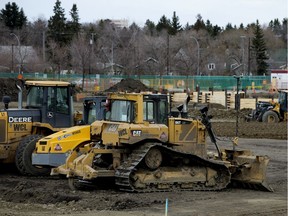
50	114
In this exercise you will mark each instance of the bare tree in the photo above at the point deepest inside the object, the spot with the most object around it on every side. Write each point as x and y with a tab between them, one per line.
58	57
81	54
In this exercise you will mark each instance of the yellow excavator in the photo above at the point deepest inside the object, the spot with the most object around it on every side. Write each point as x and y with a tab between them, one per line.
145	147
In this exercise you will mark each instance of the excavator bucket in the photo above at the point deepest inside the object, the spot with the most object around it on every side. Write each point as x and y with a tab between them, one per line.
248	171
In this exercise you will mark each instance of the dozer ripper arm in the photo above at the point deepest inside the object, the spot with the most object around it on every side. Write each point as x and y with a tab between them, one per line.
205	119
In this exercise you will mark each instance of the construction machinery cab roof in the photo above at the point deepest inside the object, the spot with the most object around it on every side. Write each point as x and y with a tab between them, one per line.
46	83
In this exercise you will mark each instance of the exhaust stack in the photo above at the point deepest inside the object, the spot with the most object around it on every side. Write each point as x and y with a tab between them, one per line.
20	96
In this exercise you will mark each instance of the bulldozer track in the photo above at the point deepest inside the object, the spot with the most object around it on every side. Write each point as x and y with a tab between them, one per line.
124	174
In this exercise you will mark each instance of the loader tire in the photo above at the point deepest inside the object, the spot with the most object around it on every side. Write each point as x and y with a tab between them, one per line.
270	117
23	158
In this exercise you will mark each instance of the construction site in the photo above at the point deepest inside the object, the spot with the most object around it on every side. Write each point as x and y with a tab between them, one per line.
51	195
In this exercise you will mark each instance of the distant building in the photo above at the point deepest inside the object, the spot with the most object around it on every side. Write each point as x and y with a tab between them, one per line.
117	23
120	23
25	54
279	79
19	55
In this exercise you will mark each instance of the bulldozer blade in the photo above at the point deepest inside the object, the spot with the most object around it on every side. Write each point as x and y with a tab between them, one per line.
252	185
249	171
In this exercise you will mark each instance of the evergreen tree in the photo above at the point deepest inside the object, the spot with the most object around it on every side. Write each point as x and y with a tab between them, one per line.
216	31
275	26
284	29
187	27
57	25
175	25
150	27
259	48
73	26
134	27
199	24
229	27
163	23
212	30
209	26
12	17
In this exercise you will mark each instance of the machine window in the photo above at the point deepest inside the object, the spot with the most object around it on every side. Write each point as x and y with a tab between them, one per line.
58	100
92	113
62	101
162	112
148	111
35	97
120	111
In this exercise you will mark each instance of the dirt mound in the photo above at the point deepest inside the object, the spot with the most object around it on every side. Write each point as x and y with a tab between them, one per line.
7	87
218	112
254	130
129	85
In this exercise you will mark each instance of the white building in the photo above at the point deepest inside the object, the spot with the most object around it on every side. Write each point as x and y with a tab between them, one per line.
279	79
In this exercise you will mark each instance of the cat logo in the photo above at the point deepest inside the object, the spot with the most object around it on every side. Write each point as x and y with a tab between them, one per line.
136	133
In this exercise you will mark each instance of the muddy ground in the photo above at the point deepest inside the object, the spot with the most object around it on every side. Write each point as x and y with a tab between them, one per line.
33	196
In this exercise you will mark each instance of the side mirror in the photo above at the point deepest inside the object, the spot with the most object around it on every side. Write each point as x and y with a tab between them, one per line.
6	100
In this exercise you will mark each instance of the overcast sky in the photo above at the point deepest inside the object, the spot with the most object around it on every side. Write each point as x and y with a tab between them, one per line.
219	12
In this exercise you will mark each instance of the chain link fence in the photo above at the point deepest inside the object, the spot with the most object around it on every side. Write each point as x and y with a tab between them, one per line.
96	82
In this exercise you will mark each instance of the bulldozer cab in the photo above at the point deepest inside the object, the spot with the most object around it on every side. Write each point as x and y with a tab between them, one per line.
53	99
138	108
94	109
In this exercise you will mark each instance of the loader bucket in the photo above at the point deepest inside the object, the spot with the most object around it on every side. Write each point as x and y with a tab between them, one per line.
249	171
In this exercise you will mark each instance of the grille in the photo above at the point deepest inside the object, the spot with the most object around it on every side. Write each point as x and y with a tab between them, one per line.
3	130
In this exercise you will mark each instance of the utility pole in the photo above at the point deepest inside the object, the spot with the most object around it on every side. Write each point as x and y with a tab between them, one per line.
19	49
43	46
243	53
12	59
249	56
198	54
91	50
112	53
237	106
167	58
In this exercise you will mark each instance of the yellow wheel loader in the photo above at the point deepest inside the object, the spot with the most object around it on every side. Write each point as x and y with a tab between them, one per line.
271	112
145	148
277	111
48	109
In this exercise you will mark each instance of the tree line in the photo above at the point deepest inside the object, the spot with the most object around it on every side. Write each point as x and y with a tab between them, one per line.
161	48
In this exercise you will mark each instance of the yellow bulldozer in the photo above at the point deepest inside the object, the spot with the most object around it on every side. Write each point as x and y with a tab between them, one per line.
145	147
48	109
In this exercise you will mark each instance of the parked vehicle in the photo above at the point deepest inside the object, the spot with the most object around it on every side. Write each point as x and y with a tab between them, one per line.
271	112
146	149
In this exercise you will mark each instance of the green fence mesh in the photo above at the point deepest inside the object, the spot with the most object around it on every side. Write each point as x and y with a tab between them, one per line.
96	82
